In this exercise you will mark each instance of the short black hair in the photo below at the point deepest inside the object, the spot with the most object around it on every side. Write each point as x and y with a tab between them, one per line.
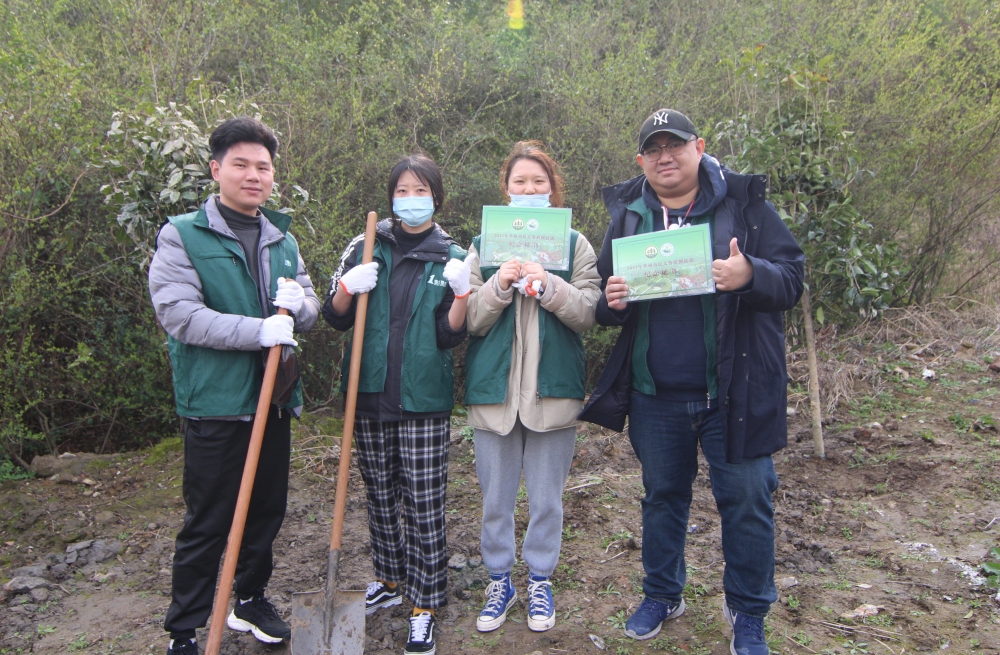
426	171
241	129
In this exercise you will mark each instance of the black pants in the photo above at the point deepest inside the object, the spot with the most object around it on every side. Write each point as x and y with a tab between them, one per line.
214	455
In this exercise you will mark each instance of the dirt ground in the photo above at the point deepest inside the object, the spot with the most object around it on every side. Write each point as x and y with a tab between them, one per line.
899	515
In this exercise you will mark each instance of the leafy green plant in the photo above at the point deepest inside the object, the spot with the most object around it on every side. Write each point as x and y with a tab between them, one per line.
618	619
992	569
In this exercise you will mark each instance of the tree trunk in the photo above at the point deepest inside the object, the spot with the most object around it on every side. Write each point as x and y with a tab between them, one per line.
817	413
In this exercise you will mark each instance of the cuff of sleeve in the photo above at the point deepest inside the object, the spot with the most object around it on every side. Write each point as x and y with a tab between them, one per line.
556	293
496	297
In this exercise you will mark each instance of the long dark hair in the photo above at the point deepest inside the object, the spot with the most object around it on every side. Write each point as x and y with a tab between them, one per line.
536	151
426	171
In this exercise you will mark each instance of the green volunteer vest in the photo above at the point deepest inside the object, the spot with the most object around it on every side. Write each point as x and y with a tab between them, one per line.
561	366
427	382
642	380
210	382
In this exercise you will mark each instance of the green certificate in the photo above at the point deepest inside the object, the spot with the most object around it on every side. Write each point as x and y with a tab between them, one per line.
665	264
530	234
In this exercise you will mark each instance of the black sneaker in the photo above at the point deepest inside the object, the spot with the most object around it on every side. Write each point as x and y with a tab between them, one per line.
421	639
259	616
182	647
379	596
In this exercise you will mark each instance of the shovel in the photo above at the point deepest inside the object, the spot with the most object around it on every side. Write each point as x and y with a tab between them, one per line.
221	607
333	623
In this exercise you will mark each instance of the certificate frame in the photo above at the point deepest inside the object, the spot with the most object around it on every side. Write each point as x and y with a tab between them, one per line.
531	234
666	263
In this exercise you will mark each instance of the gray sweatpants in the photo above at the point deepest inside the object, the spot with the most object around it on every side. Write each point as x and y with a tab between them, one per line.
545	458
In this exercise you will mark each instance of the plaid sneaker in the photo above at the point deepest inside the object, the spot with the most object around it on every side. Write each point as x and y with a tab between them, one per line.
379	596
259	616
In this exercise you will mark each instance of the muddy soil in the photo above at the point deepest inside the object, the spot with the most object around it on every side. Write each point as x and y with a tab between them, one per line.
899	515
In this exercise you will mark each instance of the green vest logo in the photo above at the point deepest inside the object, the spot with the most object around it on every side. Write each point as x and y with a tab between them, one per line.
652	251
518	224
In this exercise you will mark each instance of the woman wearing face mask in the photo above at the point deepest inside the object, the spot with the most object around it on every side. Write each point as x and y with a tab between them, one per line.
524	388
418	293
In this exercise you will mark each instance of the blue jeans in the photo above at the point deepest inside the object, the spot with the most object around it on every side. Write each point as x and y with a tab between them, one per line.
665	438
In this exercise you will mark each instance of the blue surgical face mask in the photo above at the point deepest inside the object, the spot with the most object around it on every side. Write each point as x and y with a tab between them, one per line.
534	200
413	210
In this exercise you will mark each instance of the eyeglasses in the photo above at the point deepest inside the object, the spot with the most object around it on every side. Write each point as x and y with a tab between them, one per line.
674	148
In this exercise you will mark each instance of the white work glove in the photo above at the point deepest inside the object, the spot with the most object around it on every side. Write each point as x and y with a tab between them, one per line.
290	295
534	289
360	279
277	329
457	273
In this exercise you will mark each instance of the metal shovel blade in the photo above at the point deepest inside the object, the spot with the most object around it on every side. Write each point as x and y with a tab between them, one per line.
347	625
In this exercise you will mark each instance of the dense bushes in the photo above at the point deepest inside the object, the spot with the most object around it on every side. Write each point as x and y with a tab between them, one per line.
351	85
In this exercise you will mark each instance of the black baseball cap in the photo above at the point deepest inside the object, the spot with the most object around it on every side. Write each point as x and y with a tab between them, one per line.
667	120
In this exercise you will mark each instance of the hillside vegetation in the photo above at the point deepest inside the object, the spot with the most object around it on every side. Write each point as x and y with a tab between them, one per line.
350	86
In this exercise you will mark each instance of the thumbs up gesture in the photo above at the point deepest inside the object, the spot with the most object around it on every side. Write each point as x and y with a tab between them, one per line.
733	273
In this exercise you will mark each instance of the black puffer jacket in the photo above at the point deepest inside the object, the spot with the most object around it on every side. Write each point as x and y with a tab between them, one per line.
750	333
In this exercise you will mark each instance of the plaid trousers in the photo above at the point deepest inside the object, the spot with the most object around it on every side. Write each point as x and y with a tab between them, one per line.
405	468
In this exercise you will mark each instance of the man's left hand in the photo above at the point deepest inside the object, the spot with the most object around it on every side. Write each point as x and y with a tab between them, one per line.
290	295
734	273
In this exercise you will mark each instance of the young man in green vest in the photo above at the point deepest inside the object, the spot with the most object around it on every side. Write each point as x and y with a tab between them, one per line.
217	280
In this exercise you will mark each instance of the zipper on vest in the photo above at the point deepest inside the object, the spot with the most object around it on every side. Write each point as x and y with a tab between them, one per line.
708	400
279	412
538	398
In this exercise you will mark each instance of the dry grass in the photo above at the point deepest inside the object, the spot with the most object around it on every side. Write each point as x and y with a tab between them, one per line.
933	334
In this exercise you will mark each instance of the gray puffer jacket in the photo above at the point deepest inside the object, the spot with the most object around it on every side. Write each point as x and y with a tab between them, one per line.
176	291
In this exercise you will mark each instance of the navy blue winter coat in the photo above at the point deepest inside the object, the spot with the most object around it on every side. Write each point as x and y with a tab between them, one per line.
750	332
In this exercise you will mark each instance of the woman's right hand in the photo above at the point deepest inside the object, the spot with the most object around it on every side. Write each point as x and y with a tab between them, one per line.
509	273
615	292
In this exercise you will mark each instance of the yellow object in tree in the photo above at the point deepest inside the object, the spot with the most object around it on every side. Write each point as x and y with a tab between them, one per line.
515	9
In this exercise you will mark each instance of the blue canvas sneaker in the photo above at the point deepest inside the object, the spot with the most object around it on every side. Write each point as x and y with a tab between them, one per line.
541	609
647	620
748	633
500	595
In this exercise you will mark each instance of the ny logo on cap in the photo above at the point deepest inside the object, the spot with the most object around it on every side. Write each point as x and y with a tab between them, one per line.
660	118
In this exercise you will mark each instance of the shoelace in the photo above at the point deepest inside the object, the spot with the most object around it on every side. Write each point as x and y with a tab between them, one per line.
419	625
537	595
373	587
751	626
496	591
650	606
264	606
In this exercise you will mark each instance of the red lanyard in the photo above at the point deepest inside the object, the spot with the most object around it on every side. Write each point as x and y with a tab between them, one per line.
666	216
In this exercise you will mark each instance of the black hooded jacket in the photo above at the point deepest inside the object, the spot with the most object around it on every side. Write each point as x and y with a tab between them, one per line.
750	326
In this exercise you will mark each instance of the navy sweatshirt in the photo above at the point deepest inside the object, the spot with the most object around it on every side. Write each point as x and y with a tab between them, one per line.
677	355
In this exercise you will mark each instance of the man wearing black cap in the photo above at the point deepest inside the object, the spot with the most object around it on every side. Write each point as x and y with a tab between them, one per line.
707	368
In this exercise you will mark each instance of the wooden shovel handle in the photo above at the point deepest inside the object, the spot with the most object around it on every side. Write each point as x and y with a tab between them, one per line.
224	589
351	404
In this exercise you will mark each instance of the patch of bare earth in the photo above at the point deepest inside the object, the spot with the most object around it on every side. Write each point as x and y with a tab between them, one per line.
899	515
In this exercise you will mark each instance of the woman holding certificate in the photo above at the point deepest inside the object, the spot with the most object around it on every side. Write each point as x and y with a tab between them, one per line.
524	388
418	289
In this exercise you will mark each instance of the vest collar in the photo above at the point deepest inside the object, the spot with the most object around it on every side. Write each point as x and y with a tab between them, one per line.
273	225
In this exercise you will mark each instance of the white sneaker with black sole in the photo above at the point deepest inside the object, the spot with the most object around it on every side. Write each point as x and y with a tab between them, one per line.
421	639
379	595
